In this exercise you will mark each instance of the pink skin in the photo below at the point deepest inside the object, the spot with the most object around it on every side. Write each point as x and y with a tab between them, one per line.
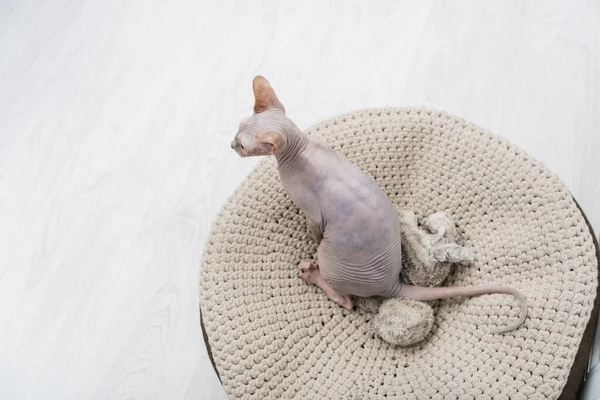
310	273
351	218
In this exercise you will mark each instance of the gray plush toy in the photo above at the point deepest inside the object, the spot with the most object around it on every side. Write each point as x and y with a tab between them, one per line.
428	255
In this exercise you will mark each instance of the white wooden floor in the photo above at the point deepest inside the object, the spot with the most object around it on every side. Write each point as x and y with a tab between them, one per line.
115	123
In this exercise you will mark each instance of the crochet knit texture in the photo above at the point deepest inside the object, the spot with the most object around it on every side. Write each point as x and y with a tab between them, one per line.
275	336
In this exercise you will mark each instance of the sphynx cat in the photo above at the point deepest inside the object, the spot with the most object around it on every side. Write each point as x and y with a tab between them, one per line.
348	215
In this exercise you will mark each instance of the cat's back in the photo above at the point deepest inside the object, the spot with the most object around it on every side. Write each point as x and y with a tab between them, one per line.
355	208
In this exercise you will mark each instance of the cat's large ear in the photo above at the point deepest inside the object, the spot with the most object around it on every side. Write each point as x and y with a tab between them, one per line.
264	95
270	140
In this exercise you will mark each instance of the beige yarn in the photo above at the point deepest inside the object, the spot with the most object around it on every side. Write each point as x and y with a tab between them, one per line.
274	336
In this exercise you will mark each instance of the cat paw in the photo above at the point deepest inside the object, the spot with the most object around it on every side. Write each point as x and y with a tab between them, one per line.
346	302
308	271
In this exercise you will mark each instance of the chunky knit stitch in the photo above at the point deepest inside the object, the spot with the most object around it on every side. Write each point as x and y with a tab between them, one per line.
274	336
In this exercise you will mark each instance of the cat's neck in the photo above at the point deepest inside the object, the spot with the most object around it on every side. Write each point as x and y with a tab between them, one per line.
294	144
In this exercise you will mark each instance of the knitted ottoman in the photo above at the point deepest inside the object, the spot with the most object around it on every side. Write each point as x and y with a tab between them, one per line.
274	336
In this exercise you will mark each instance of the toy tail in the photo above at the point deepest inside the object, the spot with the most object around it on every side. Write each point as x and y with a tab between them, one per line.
434	293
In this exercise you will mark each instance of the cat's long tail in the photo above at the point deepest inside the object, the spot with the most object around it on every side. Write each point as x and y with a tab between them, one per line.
434	293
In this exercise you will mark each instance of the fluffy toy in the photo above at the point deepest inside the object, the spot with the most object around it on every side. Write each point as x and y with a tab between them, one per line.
428	255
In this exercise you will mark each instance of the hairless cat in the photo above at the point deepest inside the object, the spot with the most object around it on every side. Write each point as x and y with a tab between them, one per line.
351	218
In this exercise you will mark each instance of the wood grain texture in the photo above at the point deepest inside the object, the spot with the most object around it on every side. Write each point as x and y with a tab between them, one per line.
115	123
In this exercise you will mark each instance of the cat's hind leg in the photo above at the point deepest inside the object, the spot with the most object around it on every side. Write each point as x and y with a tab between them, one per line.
310	273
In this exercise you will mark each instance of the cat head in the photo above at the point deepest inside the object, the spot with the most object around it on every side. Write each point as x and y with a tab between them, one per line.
263	133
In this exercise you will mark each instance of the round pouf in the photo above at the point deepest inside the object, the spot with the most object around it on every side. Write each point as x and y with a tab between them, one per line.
275	336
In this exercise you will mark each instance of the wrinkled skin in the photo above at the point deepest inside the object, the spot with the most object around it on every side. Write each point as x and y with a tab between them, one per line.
355	224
